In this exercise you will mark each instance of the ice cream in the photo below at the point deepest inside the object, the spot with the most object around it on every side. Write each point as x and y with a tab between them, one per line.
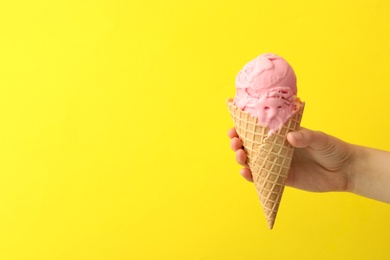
264	110
267	89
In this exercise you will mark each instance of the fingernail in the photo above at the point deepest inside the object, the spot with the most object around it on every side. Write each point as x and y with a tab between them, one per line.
298	136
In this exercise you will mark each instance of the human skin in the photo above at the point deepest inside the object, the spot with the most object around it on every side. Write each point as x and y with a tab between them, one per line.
323	163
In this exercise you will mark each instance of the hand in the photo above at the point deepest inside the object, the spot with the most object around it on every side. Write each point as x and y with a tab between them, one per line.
320	162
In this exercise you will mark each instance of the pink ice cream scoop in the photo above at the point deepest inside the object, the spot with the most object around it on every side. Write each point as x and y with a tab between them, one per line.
267	89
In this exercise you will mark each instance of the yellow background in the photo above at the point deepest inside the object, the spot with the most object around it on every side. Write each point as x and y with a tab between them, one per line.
113	137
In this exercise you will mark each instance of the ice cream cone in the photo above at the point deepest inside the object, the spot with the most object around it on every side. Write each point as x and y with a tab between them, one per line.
269	157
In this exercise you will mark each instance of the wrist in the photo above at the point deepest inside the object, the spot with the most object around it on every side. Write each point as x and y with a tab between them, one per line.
354	167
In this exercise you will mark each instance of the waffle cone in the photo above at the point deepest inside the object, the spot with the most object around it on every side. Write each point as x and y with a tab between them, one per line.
269	157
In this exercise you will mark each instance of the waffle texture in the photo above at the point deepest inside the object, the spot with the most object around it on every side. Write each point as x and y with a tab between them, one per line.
269	157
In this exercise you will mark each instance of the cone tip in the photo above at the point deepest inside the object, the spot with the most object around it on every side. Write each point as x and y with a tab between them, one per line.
271	223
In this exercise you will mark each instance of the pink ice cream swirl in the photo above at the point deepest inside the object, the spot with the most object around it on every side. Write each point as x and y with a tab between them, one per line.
266	89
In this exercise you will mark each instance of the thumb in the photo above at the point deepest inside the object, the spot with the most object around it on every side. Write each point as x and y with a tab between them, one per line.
303	138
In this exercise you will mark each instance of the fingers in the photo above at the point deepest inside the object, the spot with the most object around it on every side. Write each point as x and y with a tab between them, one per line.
246	173
235	143
232	133
303	138
241	157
